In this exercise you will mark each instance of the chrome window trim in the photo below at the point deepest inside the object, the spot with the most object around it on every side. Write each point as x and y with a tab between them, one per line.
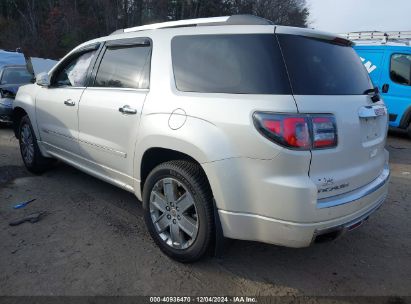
66	87
117	89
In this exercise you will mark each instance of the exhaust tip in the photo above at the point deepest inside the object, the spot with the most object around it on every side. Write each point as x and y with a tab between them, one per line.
328	236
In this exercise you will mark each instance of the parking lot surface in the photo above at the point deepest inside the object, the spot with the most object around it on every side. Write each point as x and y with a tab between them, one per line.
93	241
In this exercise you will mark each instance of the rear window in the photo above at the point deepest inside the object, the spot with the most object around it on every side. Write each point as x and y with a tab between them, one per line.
318	67
16	76
237	64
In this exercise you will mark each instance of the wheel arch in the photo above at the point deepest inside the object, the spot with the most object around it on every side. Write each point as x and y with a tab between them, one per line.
24	103
154	156
18	114
406	118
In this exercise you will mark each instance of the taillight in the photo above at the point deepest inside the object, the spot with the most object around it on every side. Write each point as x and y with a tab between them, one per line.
298	131
324	132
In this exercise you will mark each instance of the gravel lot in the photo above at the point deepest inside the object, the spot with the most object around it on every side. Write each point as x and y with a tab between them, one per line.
94	242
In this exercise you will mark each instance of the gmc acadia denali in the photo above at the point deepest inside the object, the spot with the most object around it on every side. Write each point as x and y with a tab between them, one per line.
227	126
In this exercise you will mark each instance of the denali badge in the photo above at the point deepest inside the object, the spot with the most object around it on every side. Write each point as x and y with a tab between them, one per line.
329	189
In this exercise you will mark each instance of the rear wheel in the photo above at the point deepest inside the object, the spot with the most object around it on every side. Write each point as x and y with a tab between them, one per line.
409	130
34	161
178	210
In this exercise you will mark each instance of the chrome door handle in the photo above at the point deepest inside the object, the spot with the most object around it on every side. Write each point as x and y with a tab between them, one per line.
69	103
127	110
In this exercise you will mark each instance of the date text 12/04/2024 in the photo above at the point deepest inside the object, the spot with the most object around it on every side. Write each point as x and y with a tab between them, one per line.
204	299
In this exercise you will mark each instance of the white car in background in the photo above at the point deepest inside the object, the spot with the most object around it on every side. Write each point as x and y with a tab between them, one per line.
227	126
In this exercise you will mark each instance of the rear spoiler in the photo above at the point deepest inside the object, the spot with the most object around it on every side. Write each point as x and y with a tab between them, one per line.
310	33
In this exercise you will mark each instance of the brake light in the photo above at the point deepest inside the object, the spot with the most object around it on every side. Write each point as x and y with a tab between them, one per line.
298	131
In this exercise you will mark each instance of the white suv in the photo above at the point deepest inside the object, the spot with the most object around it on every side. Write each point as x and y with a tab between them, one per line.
227	126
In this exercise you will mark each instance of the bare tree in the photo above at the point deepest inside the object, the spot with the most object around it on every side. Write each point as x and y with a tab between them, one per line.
50	28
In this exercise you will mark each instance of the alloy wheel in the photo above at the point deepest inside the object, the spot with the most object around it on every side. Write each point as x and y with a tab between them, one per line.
27	143
173	213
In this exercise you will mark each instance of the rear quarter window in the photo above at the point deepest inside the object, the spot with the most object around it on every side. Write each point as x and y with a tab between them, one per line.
236	64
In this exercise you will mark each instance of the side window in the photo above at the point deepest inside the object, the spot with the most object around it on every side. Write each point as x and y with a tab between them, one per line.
234	64
125	67
74	73
400	69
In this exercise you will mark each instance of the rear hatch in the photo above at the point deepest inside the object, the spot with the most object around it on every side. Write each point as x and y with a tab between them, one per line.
327	76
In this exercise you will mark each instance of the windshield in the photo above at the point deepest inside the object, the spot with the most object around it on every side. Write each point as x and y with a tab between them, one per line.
16	76
319	67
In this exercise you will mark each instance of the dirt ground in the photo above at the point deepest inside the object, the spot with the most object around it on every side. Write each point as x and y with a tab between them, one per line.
94	242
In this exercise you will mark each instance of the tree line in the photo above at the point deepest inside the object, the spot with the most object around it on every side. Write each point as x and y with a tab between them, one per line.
50	28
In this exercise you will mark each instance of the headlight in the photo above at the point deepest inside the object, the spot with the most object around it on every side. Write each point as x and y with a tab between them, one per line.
7	103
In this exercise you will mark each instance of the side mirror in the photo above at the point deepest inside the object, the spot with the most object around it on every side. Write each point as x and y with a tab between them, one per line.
43	80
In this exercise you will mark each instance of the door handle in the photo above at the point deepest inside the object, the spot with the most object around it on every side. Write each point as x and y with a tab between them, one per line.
127	110
69	103
385	88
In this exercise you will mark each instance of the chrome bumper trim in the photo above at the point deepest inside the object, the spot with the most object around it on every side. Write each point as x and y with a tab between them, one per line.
357	194
345	227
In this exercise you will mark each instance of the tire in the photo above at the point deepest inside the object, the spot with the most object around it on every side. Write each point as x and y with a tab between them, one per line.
409	130
34	161
178	210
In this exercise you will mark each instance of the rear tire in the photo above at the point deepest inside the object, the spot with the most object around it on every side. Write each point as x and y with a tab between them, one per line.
34	161
409	130
178	210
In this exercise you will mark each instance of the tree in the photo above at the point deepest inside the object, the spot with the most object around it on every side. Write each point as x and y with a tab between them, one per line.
50	28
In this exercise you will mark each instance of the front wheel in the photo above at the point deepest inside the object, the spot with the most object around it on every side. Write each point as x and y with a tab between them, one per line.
178	210
34	161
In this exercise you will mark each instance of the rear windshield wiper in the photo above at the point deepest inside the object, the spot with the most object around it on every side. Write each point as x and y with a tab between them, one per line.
376	94
369	91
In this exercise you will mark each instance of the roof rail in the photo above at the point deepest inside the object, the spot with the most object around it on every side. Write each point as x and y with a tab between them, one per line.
382	37
226	20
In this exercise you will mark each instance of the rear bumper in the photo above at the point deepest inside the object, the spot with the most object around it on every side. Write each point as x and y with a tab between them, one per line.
248	226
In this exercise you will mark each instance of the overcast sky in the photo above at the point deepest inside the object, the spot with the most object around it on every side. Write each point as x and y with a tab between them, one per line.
341	16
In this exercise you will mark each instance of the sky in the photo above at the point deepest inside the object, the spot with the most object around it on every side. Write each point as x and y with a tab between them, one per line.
342	16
